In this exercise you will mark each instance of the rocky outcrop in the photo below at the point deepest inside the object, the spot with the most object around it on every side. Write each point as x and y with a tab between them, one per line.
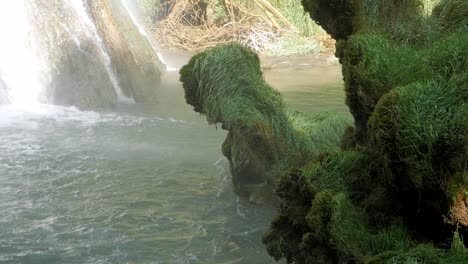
266	138
76	73
134	59
94	56
396	191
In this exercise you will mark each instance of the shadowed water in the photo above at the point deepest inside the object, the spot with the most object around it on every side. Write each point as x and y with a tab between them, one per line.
140	184
312	89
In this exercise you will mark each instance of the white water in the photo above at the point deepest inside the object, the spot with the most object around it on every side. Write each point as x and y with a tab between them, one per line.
121	187
143	32
92	32
19	65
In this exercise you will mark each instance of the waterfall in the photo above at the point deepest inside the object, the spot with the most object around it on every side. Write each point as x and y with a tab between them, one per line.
89	54
19	65
92	32
143	32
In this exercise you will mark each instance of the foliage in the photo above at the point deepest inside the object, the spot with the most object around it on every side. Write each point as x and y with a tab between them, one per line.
397	194
287	31
294	12
266	137
154	10
452	13
292	44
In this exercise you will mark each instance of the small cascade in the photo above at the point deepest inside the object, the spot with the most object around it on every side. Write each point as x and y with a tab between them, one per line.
19	65
143	32
77	53
92	32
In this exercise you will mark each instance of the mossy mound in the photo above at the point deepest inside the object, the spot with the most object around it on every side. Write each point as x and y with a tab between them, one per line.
397	191
452	13
329	214
266	137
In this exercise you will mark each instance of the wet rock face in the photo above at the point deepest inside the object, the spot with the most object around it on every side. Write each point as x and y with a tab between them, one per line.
81	79
134	60
75	68
91	58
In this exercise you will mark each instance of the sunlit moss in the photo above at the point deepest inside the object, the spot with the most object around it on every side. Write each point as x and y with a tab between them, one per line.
397	192
266	137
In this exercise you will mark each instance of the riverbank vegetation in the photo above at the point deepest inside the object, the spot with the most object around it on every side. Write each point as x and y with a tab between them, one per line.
395	189
270	26
266	137
397	192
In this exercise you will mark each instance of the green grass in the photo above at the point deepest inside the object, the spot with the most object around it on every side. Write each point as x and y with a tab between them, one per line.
353	236
266	136
452	13
384	198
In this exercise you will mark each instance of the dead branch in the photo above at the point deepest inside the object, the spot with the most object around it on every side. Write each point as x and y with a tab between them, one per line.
186	27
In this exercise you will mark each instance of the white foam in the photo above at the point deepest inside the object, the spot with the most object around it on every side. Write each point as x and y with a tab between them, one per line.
18	61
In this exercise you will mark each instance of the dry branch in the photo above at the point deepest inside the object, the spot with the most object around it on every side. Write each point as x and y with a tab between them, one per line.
186	27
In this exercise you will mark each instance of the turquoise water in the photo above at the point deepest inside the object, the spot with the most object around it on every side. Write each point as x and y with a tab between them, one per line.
139	184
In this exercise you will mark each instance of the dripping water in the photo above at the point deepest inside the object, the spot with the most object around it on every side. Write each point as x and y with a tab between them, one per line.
92	32
143	32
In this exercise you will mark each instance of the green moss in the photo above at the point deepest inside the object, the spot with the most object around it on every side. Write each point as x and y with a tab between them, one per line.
457	244
354	237
395	193
452	14
266	137
336	16
334	170
319	216
403	19
423	253
427	142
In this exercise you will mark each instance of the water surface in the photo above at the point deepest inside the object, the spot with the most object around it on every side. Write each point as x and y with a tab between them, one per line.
139	184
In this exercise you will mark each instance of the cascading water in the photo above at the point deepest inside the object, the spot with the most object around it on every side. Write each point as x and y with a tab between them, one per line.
143	32
82	53
92	32
19	65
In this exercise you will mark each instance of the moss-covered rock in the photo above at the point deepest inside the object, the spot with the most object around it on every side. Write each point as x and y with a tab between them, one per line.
335	16
397	192
266	138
